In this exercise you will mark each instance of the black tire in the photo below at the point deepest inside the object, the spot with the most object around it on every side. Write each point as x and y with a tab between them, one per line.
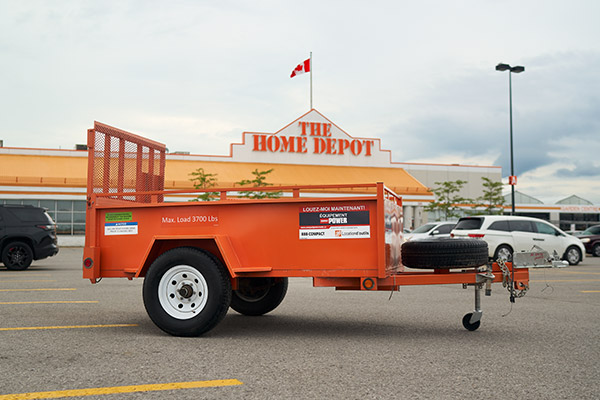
596	250
17	256
186	292
466	321
444	253
258	296
502	251
572	255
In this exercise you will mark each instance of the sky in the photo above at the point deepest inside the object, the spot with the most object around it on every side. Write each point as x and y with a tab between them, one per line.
419	75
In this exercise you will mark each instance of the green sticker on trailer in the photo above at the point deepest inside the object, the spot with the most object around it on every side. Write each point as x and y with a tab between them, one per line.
118	217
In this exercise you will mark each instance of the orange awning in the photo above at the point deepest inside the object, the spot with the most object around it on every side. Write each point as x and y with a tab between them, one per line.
69	171
227	173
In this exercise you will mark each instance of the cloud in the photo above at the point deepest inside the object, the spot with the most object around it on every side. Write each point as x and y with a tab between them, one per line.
555	115
195	75
546	184
584	169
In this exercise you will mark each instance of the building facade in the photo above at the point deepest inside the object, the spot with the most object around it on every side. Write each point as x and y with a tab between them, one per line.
569	214
309	150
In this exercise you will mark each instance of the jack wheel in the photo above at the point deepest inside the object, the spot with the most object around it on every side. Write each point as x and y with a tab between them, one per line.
467	322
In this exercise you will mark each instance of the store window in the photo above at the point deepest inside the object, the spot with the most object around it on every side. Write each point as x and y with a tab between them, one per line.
578	221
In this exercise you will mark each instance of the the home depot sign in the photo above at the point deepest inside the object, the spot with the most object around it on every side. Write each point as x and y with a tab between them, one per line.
313	137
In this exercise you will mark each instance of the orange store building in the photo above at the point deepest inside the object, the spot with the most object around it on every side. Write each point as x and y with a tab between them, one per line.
309	150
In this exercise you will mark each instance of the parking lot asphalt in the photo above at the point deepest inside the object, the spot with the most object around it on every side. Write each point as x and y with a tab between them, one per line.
62	336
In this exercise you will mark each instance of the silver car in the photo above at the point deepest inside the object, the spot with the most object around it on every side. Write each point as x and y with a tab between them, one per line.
431	230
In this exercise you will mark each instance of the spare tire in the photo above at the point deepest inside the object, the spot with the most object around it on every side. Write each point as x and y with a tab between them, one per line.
445	253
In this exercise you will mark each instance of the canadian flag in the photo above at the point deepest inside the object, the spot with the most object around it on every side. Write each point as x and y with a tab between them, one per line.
301	68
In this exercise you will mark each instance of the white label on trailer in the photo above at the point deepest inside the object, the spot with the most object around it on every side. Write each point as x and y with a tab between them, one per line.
336	232
120	228
334	222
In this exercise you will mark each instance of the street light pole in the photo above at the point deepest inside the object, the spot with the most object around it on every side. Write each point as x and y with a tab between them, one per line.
511	70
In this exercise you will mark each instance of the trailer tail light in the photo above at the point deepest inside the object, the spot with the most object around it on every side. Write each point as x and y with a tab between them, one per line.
88	263
476	235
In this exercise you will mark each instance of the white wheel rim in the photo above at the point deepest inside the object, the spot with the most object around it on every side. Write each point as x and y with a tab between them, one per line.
504	254
182	292
573	256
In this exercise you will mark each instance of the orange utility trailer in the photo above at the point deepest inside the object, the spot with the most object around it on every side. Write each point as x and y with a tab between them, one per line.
200	258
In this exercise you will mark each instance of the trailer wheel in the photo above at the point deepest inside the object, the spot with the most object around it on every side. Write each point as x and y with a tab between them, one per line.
258	296
17	256
466	321
444	253
186	292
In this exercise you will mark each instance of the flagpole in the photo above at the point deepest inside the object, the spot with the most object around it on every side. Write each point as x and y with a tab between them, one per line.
311	70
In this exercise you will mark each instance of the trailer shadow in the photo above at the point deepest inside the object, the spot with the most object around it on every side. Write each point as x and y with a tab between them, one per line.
284	327
272	326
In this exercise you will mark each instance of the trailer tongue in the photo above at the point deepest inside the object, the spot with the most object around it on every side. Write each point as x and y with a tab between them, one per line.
199	258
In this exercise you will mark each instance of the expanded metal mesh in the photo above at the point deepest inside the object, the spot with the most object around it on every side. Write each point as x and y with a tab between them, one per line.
124	163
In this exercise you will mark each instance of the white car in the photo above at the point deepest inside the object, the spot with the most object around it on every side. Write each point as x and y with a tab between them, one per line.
431	230
508	234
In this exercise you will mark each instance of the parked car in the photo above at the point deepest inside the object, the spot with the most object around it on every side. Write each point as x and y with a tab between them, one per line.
27	233
431	230
574	233
507	234
591	240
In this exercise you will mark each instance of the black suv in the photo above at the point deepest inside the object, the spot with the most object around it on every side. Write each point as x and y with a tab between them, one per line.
27	233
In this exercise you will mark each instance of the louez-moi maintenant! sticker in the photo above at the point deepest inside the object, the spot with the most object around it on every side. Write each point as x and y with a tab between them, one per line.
334	222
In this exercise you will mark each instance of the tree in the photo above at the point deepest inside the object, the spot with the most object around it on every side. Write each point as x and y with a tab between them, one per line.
203	180
259	180
492	199
446	198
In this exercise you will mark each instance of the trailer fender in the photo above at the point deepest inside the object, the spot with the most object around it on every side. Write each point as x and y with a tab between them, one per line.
218	246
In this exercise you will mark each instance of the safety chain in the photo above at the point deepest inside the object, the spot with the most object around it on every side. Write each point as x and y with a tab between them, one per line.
508	283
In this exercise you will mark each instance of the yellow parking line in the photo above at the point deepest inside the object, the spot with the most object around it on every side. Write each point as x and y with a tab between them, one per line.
31	328
34	290
49	302
590	291
27	280
22	274
121	389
